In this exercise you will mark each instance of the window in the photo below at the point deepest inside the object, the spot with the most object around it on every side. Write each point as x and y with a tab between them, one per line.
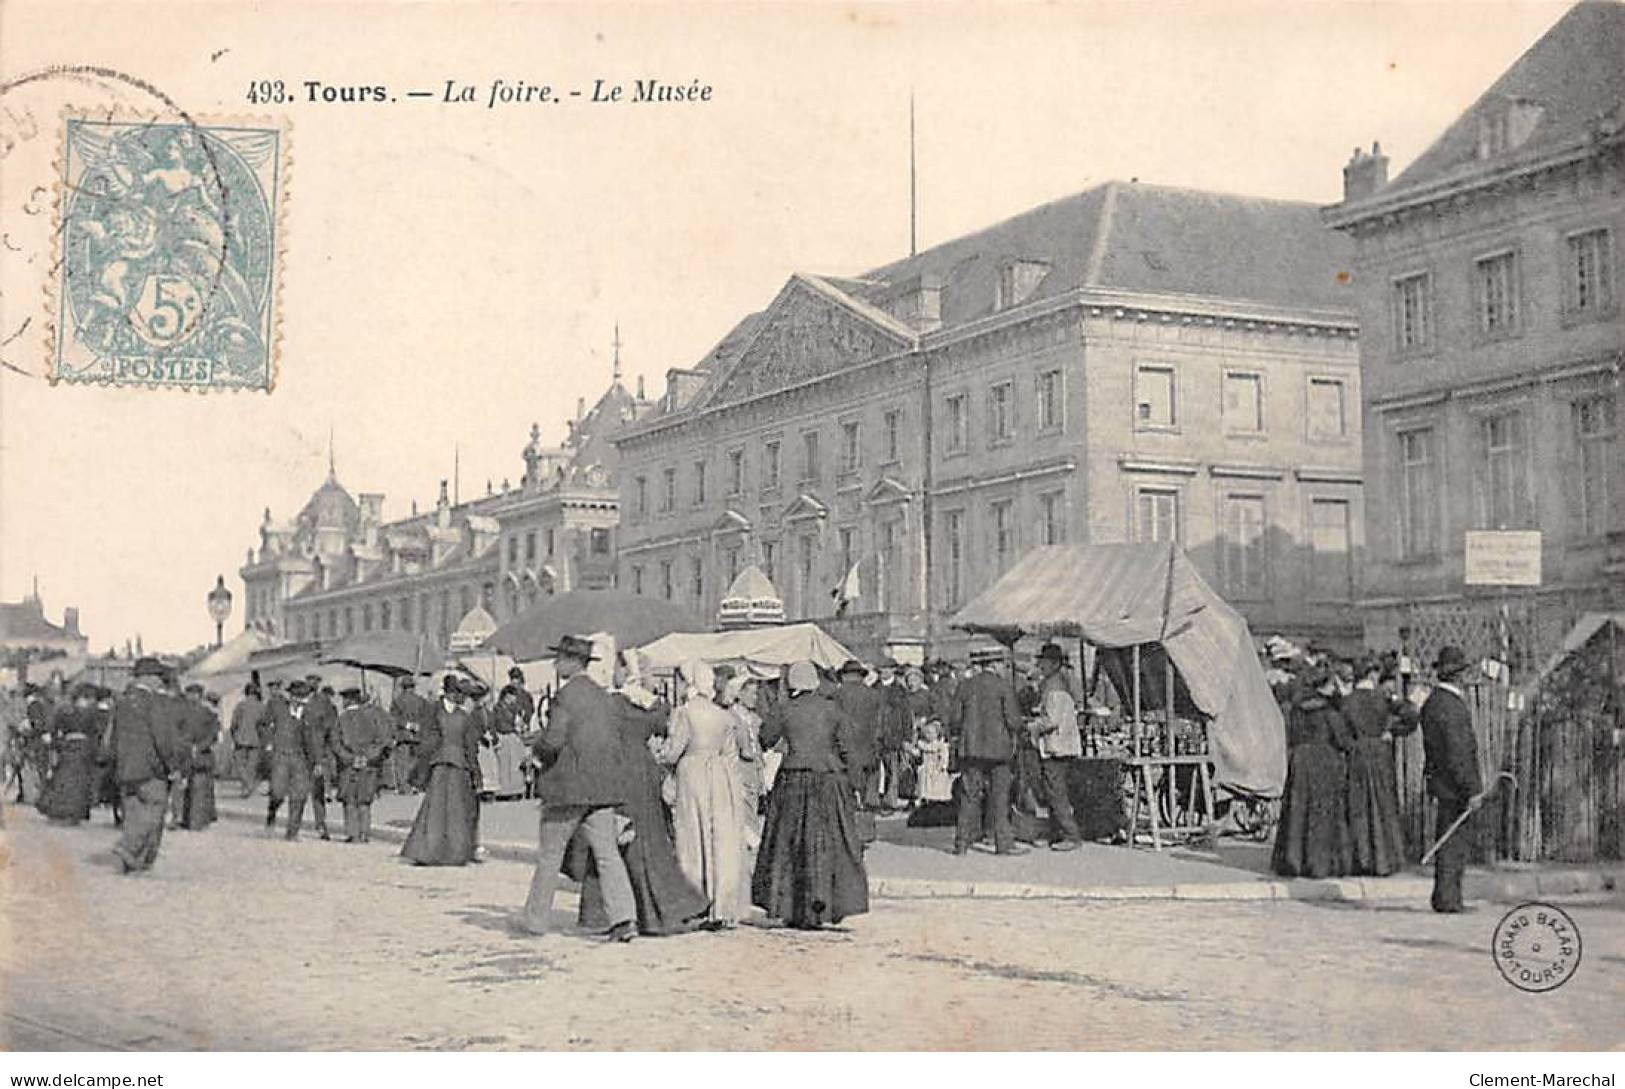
445	614
957	426
1596	434
1001	410
1413	320
384	615
513	550
1590	279
640	496
1018	280
730	564
1243	557
1003	532
806	569
1331	569
770	466
465	601
1049	401
1154	398
699	483
1052	517
892	428
530	537
1328	416
665	579
637	579
366	617
668	495
890	575
696	578
851	447
349	620
406	614
954	539
1418	495
770	552
1243	403
1497	284
736	472
550	544
299	629
809	457
1504	496
599	542
332	623
1156	515
848	544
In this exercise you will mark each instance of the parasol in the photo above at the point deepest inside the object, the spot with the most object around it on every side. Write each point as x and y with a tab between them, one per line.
631	619
392	653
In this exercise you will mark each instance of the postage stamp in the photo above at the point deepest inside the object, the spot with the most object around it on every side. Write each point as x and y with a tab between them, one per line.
168	236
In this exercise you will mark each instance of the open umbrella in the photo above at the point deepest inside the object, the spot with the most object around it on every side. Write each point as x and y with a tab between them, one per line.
631	618
393	653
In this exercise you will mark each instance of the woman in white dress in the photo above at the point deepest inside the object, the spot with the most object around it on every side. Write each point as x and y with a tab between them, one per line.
708	818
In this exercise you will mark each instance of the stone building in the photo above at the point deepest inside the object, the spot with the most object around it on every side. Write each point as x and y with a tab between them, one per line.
1489	300
338	567
1129	363
24	631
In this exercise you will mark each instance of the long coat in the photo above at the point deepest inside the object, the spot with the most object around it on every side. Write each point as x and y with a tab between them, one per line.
1449	749
983	716
866	707
148	742
581	748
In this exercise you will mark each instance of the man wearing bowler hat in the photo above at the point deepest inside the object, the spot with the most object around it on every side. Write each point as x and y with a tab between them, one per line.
1450	754
150	752
984	719
583	780
865	707
1060	745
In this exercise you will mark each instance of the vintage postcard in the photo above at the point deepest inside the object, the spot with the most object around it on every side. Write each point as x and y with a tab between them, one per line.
812	526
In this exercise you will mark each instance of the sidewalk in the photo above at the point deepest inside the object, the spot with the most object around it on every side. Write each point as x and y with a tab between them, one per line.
917	863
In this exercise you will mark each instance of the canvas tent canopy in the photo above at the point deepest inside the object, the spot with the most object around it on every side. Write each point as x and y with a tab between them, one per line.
751	600
762	650
1129	595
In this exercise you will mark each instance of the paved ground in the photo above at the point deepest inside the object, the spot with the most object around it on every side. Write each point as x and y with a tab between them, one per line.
236	941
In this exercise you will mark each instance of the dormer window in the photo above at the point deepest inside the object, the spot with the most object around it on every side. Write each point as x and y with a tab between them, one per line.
1506	125
1018	280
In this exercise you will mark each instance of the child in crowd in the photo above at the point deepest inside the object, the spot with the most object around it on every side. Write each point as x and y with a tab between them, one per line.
936	783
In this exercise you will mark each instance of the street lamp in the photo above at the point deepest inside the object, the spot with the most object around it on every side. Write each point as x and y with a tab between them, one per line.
219	606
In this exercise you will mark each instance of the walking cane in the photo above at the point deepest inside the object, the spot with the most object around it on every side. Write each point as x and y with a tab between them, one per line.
1473	806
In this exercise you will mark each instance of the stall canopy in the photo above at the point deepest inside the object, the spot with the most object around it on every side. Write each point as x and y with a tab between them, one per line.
393	653
765	650
751	600
1127	595
631	618
1587	628
232	655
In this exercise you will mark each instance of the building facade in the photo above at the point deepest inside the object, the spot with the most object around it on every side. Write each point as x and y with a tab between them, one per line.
24	631
1129	363
1490	305
338	568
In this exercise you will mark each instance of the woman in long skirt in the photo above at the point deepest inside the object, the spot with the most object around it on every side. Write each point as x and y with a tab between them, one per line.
809	871
1377	839
1312	839
446	830
198	809
71	788
708	818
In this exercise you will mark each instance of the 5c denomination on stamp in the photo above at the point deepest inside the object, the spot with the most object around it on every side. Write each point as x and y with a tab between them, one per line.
169	237
1537	947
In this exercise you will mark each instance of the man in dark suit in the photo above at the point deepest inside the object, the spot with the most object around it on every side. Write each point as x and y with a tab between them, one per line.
1450	768
411	712
983	718
866	708
245	738
290	757
321	720
150	751
585	778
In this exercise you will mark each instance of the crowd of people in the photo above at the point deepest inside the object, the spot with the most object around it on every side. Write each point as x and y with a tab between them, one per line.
1340	809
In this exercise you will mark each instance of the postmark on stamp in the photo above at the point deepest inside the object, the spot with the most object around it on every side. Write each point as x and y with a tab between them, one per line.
1537	947
167	271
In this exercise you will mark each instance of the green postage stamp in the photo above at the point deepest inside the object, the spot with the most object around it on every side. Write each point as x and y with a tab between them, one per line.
168	240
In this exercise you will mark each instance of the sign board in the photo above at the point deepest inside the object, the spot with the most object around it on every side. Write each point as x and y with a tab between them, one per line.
1503	557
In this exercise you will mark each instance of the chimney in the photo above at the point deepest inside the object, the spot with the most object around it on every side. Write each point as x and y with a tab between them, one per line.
581	408
640	387
442	507
70	619
1365	175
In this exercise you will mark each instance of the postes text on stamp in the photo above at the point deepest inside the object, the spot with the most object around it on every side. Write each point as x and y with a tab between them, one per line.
168	236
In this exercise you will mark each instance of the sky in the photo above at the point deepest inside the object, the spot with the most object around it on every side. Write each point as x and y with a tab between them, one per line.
452	273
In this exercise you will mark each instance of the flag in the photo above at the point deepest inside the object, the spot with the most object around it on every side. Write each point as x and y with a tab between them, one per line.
849	589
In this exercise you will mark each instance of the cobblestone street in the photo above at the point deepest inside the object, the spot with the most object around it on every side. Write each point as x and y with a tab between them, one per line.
237	941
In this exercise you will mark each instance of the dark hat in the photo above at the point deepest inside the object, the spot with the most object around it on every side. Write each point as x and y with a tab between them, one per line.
1451	662
351	695
852	665
475	689
299	689
574	646
211	697
516	674
193	687
314	679
148	667
451	683
1052	652
275	682
84	690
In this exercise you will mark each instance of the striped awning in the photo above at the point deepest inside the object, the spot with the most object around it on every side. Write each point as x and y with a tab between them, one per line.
1125	595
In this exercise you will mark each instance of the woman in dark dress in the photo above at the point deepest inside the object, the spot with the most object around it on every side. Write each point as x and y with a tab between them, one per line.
1312	839
71	789
446	830
667	902
809	870
1377	839
198	809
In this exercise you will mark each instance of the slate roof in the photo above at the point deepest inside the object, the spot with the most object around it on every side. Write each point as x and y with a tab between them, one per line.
1575	73
23	621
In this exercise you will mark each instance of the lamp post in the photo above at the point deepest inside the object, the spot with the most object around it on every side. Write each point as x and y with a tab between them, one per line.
219	606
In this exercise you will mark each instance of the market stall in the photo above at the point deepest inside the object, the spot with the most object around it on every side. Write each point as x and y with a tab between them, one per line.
763	651
1194	710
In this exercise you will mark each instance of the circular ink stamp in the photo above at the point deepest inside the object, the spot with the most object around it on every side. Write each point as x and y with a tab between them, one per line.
1536	947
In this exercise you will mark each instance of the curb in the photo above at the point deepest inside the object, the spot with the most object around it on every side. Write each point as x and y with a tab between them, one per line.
1493	886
